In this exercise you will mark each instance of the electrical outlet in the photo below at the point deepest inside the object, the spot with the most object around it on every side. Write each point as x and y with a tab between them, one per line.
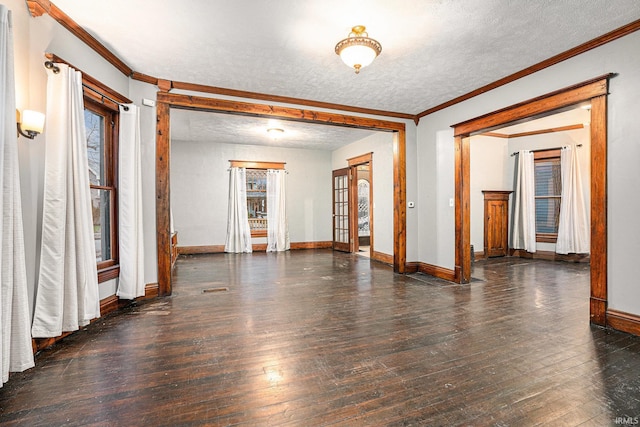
450	203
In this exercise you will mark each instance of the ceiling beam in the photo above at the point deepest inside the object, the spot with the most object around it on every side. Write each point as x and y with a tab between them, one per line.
259	110
533	132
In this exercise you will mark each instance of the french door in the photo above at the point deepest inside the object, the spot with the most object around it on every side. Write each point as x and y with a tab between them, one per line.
341	223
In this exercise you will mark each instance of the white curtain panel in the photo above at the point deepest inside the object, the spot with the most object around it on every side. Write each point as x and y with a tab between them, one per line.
238	231
277	225
130	232
16	353
574	227
523	234
67	288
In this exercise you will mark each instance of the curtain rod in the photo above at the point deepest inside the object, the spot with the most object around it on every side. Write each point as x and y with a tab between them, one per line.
53	67
545	149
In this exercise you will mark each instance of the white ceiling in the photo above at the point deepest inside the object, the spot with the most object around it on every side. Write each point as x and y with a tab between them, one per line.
187	125
432	50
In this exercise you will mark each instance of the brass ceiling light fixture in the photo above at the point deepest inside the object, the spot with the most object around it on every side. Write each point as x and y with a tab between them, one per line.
358	50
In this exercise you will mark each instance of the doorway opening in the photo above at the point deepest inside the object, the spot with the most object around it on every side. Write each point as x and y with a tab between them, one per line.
353	206
168	101
593	92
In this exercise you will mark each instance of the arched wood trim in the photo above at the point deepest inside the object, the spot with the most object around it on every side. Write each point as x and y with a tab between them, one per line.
594	91
166	101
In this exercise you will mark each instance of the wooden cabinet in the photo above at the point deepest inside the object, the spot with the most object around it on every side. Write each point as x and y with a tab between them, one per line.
496	223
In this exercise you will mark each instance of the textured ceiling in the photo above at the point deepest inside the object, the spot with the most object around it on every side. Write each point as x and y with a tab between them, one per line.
432	50
187	125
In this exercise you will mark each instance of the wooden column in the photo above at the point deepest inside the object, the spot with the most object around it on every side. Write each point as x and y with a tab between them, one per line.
598	301
163	226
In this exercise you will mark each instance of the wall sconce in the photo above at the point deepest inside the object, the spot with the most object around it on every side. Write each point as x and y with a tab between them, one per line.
32	123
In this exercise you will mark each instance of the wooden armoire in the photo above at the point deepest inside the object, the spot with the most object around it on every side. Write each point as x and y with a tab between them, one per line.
496	223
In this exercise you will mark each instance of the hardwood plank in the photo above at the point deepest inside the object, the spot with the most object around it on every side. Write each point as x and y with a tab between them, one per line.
317	337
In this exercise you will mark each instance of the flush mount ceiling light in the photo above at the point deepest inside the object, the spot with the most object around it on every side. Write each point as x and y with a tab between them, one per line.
358	50
275	133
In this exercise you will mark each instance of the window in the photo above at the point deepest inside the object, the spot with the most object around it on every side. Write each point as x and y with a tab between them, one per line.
548	189
257	201
257	193
101	124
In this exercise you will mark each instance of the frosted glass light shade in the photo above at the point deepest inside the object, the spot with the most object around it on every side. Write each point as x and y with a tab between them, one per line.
358	50
32	122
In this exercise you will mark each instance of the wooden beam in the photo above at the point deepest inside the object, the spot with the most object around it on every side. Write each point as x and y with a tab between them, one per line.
585	47
400	202
144	78
264	110
543	131
287	100
537	106
598	210
533	132
39	7
163	233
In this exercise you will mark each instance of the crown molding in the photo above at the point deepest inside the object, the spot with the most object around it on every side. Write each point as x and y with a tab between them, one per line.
585	47
40	7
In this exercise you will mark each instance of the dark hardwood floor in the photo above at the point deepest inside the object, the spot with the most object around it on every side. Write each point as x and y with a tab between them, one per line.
313	338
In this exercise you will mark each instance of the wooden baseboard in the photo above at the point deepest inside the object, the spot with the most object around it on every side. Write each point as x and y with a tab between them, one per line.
257	247
109	305
151	290
312	245
411	267
624	322
382	257
439	272
550	256
193	250
478	255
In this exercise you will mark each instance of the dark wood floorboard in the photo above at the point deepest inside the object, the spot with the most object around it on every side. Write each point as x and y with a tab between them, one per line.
316	338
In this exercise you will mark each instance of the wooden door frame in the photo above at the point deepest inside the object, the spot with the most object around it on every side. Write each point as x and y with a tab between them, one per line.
166	101
595	92
338	246
354	162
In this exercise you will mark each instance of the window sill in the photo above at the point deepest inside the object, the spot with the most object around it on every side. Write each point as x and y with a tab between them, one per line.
546	237
258	233
108	273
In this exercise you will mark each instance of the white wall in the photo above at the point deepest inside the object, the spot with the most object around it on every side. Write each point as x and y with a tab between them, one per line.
487	172
381	145
200	189
621	56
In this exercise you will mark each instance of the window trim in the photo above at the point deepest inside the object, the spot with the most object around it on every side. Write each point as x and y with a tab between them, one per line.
108	269
540	156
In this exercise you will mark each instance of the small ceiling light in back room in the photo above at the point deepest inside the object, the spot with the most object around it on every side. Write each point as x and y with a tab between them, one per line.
275	133
358	50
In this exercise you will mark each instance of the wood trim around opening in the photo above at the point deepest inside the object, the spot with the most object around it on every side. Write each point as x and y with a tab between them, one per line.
595	91
166	101
248	164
